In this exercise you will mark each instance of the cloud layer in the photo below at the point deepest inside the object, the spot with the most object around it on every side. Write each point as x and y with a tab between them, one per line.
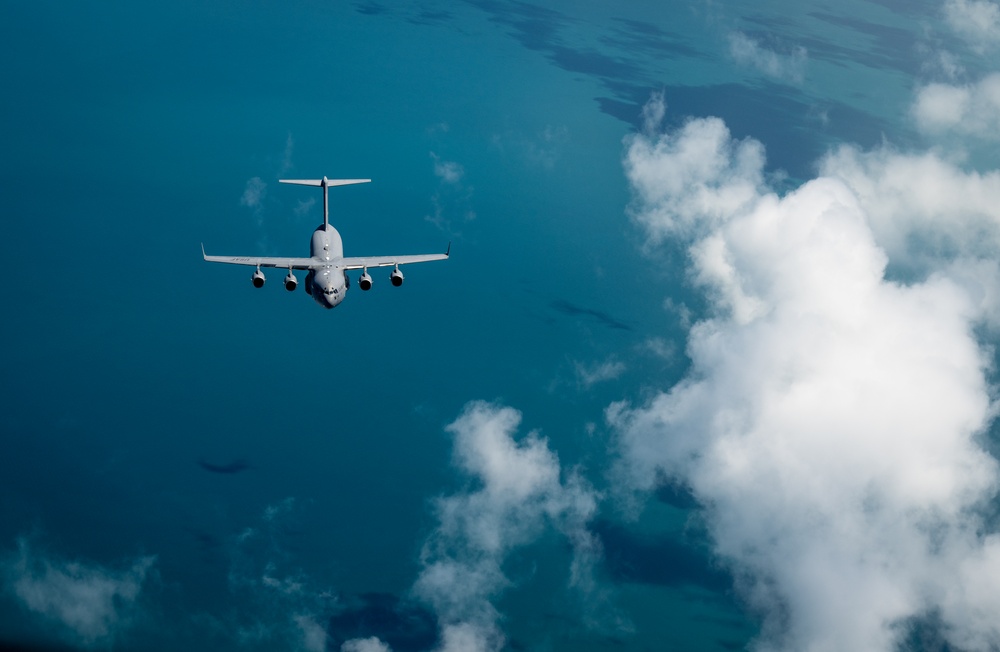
832	421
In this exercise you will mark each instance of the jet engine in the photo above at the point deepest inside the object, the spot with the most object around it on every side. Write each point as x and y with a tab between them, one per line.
291	282
396	277
365	281
258	279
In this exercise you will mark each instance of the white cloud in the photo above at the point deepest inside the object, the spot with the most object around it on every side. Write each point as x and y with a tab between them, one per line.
831	421
521	491
279	509
661	348
372	644
976	21
969	110
92	603
313	635
447	171
452	198
653	112
589	375
692	179
253	193
786	67
925	212
941	63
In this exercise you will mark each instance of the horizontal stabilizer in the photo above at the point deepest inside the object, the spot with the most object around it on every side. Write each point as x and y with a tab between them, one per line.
324	182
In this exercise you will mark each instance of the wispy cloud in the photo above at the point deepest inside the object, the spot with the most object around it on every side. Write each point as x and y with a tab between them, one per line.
448	171
831	421
789	66
452	201
589	375
254	193
543	149
91	605
279	600
661	348
521	491
304	206
286	158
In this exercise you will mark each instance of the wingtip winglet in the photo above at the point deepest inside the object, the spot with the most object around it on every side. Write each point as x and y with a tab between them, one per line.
204	256
447	252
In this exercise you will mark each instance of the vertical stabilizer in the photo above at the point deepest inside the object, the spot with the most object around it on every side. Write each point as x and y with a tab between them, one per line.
325	184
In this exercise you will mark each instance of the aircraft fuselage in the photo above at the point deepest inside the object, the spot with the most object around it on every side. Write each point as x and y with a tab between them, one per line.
327	284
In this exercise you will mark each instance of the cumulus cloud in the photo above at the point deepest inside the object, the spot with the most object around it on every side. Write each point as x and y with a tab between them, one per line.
521	491
693	178
970	110
91	604
976	21
831	424
748	51
925	212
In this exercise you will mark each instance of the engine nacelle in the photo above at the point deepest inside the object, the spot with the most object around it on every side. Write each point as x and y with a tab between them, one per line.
258	279
365	281
396	277
291	282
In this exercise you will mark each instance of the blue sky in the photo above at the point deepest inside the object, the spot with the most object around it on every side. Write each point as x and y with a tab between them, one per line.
711	366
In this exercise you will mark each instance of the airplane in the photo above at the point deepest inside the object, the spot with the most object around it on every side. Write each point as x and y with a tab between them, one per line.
327	280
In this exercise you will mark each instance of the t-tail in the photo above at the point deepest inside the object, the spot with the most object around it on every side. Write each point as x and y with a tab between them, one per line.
325	184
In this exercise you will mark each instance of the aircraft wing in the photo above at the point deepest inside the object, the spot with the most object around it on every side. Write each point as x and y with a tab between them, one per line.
358	262
313	263
264	261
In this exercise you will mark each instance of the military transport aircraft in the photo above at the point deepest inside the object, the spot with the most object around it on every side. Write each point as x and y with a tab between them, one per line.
327	280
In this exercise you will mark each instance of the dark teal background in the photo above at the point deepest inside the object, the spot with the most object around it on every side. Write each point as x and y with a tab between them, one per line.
130	131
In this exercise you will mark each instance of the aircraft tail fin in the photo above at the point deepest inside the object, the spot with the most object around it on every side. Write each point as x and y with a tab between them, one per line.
325	184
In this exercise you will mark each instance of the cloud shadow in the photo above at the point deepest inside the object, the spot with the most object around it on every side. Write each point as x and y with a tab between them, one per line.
603	318
662	561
